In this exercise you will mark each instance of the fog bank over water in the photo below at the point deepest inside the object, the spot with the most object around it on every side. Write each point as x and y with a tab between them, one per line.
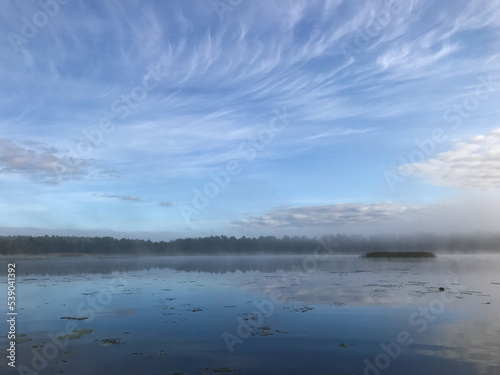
222	245
467	213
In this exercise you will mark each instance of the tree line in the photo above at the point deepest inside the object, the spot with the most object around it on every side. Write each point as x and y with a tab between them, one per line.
339	243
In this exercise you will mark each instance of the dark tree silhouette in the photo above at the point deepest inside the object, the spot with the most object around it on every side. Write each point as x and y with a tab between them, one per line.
341	243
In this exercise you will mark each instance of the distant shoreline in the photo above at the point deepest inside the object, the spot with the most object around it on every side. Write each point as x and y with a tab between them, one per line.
399	254
391	246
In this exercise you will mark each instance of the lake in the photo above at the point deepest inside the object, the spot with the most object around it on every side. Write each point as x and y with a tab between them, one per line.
337	314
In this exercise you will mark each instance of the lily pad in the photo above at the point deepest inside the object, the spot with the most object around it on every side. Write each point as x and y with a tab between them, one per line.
20	339
76	334
108	342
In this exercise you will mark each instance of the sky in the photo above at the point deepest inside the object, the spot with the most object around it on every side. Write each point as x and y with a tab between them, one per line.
166	119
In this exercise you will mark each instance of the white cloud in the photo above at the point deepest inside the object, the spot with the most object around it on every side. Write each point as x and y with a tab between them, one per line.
474	164
339	133
222	83
40	163
468	213
310	216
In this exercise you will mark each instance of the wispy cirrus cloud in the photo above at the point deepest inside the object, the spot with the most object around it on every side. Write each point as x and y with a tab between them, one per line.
221	82
338	133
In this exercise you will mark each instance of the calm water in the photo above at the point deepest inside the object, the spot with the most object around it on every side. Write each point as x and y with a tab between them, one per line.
256	315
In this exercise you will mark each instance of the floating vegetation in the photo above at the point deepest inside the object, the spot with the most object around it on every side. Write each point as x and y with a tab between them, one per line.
399	254
471	293
109	342
265	331
342	345
196	309
76	334
416	283
165	307
159	354
302	309
250	316
72	318
428	290
384	285
224	369
20	339
253	319
207	371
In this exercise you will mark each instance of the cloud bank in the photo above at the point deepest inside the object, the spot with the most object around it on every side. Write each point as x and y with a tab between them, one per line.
40	163
473	164
325	215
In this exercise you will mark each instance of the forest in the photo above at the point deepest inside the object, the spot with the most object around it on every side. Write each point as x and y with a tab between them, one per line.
339	243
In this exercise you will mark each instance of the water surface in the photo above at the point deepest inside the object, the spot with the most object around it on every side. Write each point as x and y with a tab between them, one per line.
257	315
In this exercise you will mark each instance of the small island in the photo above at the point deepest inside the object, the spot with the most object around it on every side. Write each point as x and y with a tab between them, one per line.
399	254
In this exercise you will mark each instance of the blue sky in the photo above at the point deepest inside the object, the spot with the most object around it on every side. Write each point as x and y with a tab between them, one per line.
164	119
